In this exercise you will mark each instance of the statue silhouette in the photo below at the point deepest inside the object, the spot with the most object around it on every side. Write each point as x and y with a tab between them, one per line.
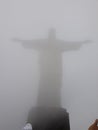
50	60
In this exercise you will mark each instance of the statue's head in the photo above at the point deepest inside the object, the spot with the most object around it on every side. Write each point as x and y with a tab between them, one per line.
52	33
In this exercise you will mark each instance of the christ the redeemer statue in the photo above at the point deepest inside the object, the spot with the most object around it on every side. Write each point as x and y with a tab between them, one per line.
50	60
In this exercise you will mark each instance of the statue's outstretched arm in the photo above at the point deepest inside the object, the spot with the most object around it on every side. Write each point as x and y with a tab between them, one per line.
36	44
71	45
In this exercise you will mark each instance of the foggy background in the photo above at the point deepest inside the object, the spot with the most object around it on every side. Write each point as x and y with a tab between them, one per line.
74	20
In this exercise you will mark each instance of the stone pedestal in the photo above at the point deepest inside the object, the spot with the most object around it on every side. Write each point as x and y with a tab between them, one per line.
49	118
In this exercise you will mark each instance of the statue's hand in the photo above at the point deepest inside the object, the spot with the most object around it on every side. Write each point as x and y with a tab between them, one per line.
94	126
16	40
87	41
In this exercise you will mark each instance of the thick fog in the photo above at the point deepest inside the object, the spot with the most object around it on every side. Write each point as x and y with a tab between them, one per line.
36	62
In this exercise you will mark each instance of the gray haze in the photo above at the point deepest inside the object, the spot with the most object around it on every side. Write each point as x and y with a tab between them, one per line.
74	20
50	63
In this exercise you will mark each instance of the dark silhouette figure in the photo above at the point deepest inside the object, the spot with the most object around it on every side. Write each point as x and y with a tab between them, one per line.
50	61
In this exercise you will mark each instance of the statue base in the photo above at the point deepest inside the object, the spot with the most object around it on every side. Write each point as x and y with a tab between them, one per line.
49	118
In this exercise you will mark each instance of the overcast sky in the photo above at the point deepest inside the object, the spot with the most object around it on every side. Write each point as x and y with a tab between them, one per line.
74	20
